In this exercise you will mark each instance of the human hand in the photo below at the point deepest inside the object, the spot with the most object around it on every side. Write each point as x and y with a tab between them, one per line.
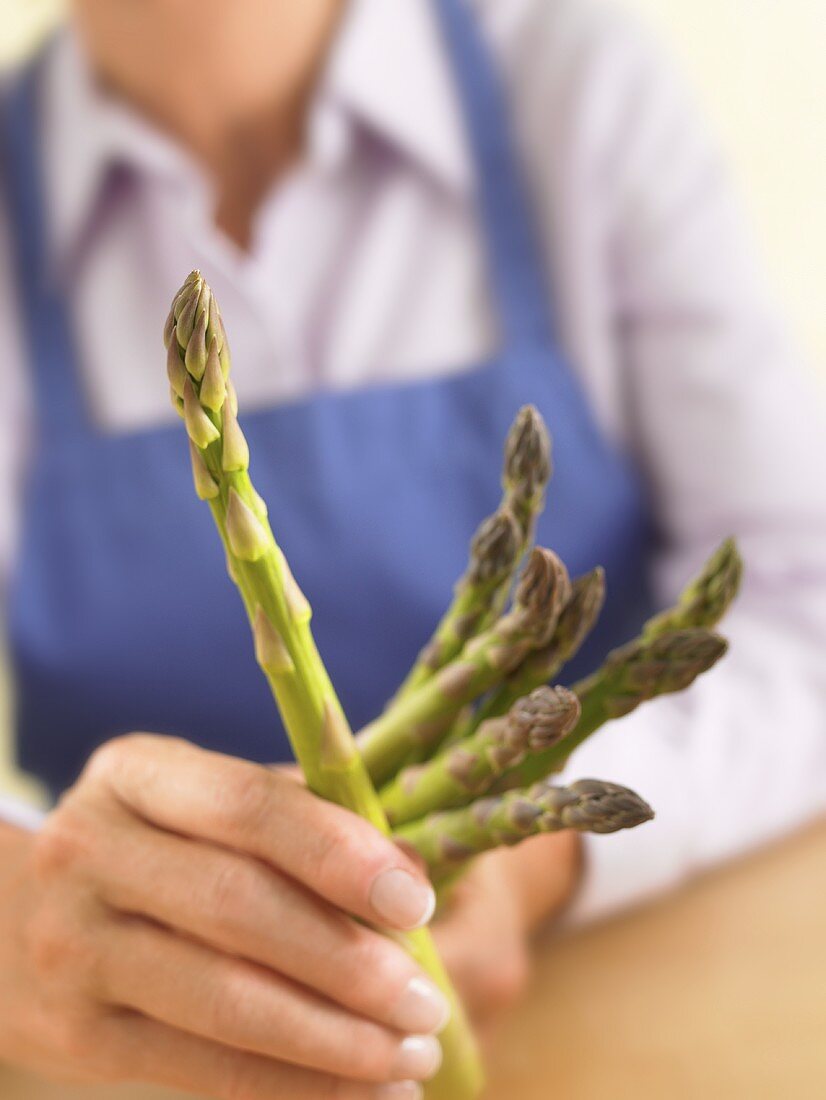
187	919
484	932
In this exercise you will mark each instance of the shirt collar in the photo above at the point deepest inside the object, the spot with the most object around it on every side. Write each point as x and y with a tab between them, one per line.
88	134
390	73
387	73
74	144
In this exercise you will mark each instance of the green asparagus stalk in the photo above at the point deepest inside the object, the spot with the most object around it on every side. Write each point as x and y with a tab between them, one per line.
705	600
421	716
198	365
446	841
575	622
463	772
702	603
494	554
496	549
631	675
451	729
526	472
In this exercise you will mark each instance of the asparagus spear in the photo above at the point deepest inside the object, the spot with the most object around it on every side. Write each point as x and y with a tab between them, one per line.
198	366
420	716
494	554
706	599
446	841
632	674
687	648
462	772
702	603
495	551
527	469
279	612
542	665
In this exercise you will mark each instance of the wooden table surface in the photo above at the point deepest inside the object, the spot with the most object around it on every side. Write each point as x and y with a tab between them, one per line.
715	993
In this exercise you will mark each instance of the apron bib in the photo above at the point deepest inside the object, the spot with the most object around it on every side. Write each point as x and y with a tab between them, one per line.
120	615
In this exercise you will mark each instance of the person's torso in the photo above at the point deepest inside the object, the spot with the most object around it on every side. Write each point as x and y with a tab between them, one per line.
120	616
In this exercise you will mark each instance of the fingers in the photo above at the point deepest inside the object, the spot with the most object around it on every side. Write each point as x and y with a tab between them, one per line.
240	805
189	987
140	1049
242	907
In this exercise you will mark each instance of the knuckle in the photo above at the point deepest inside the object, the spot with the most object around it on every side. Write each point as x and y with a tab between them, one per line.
55	948
246	802
65	842
228	1005
110	757
233	893
368	1052
387	967
337	854
46	944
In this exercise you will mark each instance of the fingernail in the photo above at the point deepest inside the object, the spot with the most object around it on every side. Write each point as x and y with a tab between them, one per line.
402	899
419	1057
422	1008
400	1090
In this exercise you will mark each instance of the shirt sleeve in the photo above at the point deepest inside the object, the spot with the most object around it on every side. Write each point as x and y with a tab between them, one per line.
729	430
23	815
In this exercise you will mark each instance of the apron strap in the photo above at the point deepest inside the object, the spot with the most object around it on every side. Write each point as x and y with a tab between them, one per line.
59	403
517	271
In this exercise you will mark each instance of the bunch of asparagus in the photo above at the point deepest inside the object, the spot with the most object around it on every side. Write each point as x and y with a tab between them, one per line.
462	759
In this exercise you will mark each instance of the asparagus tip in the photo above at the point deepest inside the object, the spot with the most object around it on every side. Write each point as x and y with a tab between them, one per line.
195	321
495	547
595	806
580	613
542	718
720	581
543	588
527	454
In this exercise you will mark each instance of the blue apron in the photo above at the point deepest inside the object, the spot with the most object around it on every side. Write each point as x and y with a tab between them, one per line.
120	616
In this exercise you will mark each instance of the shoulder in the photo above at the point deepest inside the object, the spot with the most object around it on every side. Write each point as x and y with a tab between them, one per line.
547	44
600	109
581	74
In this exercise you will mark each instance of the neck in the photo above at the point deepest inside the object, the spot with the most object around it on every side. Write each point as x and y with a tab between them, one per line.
231	82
